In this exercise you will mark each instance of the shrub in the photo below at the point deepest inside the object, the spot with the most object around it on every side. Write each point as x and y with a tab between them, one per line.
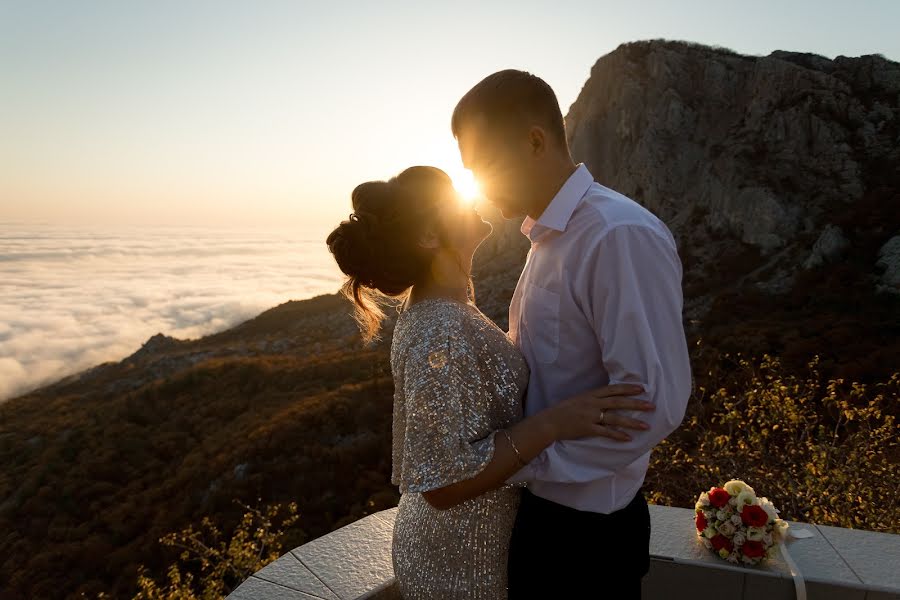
823	452
223	565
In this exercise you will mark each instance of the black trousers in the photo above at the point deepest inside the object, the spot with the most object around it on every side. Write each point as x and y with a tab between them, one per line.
560	552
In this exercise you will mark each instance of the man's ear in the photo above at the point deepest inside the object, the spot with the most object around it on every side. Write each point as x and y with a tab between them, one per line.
537	140
429	239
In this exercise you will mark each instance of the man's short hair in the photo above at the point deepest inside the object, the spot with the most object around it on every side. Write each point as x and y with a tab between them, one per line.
511	100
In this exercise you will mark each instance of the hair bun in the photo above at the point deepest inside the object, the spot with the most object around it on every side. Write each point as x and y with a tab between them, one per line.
378	246
374	197
353	246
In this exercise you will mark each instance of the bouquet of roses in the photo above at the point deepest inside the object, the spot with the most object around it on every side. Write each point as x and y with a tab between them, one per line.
735	524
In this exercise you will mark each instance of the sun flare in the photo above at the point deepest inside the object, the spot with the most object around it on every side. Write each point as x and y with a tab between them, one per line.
466	184
444	154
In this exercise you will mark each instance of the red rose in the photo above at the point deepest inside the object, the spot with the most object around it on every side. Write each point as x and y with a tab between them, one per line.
719	541
718	497
701	521
754	516
753	549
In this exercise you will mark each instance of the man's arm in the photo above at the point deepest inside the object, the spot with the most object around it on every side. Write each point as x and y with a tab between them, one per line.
630	289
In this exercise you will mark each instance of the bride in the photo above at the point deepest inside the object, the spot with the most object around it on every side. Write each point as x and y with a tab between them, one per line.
458	432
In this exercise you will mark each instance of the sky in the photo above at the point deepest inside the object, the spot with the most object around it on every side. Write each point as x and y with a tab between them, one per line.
268	113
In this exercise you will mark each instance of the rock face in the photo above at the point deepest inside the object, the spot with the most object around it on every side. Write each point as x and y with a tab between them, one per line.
827	248
758	149
889	260
765	145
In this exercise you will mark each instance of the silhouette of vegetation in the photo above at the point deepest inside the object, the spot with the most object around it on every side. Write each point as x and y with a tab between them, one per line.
223	565
822	451
209	567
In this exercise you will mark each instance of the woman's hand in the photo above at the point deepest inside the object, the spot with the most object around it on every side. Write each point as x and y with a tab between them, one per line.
594	413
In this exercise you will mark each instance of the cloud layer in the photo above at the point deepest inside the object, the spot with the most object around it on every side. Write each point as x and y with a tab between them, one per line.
70	299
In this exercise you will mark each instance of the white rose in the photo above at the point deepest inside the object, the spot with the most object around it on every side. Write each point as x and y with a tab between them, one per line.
707	543
746	497
767	539
739	538
710	515
733	501
755	534
736	486
704	499
726	529
781	529
747	560
736	520
769	508
721	515
709	532
733	557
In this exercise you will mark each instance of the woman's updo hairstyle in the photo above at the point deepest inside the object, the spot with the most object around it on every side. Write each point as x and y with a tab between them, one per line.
378	246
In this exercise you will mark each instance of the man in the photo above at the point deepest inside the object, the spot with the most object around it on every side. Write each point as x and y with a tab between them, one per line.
598	303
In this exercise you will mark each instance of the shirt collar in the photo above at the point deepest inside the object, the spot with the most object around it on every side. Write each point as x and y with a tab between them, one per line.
557	214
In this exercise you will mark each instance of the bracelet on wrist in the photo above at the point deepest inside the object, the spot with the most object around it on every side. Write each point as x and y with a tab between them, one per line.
512	444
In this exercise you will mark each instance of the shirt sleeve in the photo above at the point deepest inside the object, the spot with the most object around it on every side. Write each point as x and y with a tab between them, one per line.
441	388
629	288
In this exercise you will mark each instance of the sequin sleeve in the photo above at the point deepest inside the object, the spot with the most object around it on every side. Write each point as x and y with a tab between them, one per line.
442	388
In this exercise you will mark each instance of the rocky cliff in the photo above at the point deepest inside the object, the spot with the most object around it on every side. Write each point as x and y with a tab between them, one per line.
775	151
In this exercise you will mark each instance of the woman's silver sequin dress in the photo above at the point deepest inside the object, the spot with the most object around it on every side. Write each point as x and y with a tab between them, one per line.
458	378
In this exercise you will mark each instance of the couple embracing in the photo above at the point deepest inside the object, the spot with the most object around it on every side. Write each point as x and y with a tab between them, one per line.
520	455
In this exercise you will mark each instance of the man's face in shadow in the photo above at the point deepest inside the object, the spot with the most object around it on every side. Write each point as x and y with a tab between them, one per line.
501	161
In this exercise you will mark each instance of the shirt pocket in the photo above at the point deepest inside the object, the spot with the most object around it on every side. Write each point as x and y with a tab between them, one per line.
540	315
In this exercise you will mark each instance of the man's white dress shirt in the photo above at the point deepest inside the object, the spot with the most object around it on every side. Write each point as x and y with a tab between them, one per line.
599	302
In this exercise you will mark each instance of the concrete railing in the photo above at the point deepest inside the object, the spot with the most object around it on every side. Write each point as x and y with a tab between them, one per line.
354	562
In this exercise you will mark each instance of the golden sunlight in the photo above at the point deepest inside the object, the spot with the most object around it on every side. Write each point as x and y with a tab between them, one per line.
444	155
466	184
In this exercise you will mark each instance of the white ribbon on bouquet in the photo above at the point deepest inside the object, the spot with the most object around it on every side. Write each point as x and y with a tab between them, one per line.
796	575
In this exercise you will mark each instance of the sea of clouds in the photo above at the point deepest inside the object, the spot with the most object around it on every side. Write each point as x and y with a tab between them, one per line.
73	298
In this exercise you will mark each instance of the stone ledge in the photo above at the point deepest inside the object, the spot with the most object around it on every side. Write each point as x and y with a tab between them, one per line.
354	562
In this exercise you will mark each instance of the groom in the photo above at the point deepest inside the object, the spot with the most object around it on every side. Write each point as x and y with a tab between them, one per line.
598	303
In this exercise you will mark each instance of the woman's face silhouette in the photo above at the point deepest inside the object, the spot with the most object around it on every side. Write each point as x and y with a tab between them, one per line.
463	227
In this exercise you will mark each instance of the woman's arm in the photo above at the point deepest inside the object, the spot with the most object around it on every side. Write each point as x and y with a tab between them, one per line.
580	416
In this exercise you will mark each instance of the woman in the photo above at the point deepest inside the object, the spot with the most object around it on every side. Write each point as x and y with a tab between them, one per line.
458	432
